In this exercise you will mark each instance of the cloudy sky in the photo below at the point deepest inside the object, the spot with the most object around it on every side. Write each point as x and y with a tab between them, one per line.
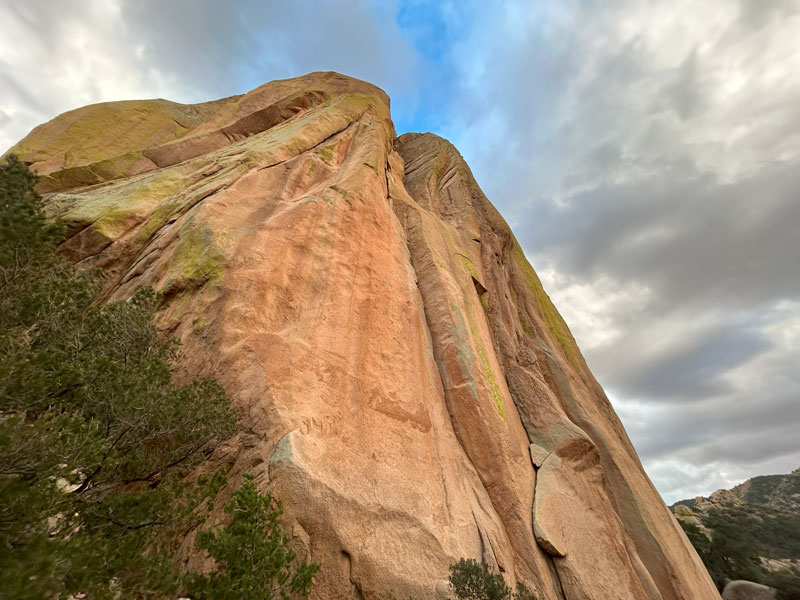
646	153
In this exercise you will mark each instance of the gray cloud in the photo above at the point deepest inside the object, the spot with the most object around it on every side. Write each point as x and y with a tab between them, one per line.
646	154
686	234
648	158
223	44
692	369
58	56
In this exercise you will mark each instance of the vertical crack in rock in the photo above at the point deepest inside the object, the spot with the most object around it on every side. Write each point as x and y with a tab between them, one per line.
575	484
477	403
358	594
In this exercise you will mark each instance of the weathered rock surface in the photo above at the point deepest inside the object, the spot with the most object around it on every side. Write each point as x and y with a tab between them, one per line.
747	590
406	386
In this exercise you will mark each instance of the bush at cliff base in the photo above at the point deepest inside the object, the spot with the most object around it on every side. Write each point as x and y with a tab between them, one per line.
471	580
251	553
738	537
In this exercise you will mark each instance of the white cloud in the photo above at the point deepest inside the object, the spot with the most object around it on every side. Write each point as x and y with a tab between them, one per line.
595	309
647	155
57	56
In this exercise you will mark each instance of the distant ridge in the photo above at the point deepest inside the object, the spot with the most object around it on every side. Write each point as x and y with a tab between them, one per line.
751	531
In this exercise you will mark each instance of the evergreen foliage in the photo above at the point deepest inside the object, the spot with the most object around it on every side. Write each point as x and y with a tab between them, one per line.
95	437
251	553
472	580
740	535
96	440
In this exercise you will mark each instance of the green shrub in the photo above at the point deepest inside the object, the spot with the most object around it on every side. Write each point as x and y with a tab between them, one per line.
740	535
251	553
472	580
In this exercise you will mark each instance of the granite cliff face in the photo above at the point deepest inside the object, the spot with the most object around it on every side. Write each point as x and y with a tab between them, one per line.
406	386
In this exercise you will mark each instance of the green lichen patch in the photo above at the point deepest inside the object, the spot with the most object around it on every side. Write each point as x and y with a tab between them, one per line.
196	260
158	218
111	129
301	134
466	340
467	262
463	348
176	200
555	324
116	222
484	302
199	325
527	327
494	387
102	217
326	153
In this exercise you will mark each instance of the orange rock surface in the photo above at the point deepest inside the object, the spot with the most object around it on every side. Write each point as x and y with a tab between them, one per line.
406	388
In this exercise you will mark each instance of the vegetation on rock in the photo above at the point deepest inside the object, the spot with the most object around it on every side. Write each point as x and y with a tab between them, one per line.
318	297
251	553
751	532
97	440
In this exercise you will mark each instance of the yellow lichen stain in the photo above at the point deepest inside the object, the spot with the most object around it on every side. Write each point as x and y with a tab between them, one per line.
484	303
472	344
199	325
100	131
555	324
197	259
326	153
300	134
116	222
116	210
467	262
494	387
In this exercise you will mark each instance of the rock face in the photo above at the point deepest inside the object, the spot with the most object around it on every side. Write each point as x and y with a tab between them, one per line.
405	385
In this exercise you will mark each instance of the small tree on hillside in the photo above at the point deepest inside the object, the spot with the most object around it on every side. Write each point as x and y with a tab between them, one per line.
96	440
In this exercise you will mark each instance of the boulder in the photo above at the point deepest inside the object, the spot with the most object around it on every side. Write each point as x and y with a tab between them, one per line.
747	590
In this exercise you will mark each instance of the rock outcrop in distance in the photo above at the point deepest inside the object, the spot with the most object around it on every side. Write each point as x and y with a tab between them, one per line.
405	384
755	526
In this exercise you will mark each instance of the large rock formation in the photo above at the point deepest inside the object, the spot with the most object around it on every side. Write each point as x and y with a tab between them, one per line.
405	385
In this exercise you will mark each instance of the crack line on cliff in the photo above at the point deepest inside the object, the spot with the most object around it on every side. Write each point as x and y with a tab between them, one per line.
556	575
438	362
418	162
448	177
